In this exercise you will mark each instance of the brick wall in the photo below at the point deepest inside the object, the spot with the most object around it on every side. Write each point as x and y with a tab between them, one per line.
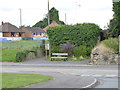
6	34
27	32
15	35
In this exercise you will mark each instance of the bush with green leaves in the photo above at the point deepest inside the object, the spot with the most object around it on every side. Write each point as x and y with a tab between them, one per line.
43	47
82	51
20	56
56	49
80	34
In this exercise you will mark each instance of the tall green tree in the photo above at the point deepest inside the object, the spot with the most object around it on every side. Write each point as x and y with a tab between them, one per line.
54	16
114	26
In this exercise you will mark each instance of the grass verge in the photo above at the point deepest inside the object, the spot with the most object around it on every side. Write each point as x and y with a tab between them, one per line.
112	43
12	80
9	55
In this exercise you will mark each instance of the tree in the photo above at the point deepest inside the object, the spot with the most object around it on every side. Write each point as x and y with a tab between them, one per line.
114	26
54	15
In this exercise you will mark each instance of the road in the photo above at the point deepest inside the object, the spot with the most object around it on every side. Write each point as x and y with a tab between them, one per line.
107	75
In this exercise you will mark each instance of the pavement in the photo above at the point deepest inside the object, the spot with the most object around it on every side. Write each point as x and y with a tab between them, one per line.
67	74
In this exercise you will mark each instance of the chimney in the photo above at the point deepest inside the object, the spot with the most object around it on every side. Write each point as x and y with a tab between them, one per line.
2	23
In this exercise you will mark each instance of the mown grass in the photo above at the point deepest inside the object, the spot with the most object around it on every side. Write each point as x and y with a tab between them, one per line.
112	43
11	80
10	48
9	55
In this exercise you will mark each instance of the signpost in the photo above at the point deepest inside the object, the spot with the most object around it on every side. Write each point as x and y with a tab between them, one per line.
47	47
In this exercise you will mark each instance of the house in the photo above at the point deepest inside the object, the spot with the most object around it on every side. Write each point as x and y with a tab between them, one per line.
52	24
9	30
1	34
33	32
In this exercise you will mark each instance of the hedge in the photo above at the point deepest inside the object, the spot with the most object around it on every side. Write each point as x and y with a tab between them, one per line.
79	34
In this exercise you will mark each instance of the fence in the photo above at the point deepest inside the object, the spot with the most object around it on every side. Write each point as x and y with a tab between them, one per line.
21	44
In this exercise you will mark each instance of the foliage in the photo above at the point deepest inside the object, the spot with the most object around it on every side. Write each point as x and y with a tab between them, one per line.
80	34
21	55
12	80
112	43
114	26
67	48
43	47
54	16
55	49
82	51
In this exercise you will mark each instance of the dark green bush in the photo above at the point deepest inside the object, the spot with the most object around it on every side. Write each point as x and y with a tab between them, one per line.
21	55
43	47
82	51
55	49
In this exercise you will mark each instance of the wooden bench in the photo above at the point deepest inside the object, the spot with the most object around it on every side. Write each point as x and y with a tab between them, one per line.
59	56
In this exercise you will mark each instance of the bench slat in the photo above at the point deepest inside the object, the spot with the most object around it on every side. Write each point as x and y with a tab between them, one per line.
59	57
59	53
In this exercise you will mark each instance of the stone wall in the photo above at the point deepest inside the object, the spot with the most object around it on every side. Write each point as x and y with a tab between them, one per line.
105	59
31	55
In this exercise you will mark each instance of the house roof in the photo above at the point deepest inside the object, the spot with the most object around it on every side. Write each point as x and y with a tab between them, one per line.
52	24
35	29
7	27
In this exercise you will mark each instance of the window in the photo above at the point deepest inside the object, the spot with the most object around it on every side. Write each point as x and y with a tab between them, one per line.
19	34
12	34
36	33
33	33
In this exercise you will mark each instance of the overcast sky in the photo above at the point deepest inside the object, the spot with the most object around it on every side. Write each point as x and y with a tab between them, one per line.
77	11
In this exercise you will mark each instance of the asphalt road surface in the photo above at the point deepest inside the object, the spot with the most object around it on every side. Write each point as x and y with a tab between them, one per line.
107	75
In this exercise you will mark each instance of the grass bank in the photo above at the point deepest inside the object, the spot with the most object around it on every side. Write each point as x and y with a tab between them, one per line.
112	43
11	80
9	55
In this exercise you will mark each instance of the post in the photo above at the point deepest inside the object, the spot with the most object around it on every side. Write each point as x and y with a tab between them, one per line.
46	53
48	26
65	19
48	14
21	25
49	50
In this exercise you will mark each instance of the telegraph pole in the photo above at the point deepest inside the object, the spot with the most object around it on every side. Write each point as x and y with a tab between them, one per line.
65	19
48	14
48	26
21	25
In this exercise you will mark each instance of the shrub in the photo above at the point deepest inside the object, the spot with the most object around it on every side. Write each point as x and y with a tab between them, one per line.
21	55
67	48
55	49
82	51
105	58
43	47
